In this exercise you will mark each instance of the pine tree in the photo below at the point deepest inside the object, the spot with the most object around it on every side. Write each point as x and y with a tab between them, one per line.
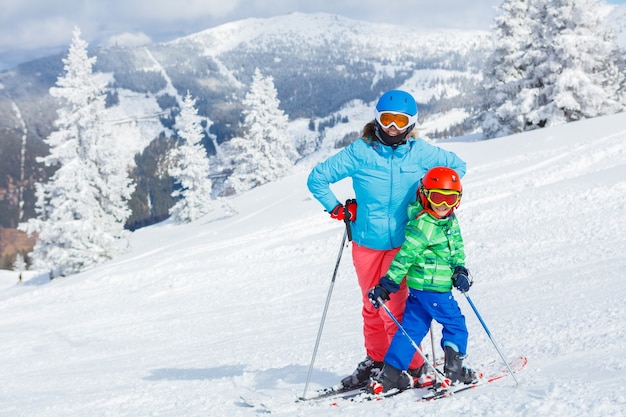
19	264
82	208
554	63
190	168
579	75
266	153
505	70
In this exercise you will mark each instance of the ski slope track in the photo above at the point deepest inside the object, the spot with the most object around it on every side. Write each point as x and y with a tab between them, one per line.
196	316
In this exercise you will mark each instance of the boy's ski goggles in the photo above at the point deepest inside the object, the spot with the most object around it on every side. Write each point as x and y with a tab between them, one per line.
400	120
449	198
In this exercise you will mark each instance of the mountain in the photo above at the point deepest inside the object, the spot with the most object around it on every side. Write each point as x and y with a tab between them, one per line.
195	316
328	71
320	64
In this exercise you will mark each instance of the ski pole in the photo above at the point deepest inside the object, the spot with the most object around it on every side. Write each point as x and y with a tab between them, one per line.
469	300
330	291
432	344
438	374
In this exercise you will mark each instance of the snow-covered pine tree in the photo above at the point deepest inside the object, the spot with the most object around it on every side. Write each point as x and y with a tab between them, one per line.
19	264
189	166
82	208
567	63
266	153
505	70
579	76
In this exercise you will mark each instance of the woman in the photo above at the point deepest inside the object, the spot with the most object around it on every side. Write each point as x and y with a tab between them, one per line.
385	164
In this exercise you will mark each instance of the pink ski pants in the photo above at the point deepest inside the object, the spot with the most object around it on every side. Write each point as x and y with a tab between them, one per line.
378	328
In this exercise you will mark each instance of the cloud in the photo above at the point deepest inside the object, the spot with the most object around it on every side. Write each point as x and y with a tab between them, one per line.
128	39
164	10
35	34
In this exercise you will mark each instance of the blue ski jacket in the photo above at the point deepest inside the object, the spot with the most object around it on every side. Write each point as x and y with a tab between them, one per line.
385	181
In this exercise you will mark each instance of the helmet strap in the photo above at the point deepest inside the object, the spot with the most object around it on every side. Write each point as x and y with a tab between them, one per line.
389	140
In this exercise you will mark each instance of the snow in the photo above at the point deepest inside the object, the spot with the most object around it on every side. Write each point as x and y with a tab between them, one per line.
326	28
196	315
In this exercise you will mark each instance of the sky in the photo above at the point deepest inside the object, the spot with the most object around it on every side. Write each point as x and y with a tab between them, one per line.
31	29
193	317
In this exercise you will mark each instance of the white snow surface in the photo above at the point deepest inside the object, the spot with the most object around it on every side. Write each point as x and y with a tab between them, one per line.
195	316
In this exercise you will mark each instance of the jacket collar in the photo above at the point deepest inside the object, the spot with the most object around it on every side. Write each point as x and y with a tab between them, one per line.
400	150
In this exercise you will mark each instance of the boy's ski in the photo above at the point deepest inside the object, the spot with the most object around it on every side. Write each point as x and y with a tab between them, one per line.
337	395
361	394
516	365
341	392
432	394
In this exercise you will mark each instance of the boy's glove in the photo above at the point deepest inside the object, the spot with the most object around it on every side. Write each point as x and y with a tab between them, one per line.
460	279
339	212
382	291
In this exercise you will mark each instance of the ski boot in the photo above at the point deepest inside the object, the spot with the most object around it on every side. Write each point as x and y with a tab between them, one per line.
421	377
390	378
454	370
365	370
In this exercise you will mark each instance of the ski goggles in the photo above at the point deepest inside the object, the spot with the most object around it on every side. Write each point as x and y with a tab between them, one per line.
449	198
400	120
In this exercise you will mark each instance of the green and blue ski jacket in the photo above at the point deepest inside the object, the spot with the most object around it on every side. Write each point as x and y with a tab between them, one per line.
431	250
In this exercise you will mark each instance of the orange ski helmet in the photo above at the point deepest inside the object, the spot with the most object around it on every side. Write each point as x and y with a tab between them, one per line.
440	179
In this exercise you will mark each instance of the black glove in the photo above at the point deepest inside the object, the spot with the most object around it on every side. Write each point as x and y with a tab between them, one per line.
460	279
385	287
378	292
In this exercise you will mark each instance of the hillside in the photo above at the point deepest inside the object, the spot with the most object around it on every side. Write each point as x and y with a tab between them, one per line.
320	64
194	316
323	65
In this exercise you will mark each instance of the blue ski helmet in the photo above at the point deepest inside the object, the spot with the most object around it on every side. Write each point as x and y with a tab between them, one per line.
397	101
393	108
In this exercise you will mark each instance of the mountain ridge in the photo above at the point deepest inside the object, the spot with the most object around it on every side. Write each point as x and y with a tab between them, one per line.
327	69
320	28
320	63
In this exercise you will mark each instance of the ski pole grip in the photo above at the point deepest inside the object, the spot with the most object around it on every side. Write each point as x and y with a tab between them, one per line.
347	217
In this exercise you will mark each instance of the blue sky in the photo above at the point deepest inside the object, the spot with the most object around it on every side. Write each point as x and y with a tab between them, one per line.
35	28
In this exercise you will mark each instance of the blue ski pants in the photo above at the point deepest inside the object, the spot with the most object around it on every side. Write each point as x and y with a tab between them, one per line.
421	308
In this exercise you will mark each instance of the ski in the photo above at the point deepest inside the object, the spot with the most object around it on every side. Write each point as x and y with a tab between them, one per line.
335	390
428	390
432	391
515	365
340	392
362	395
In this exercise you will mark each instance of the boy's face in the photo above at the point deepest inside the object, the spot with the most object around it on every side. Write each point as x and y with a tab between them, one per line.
441	211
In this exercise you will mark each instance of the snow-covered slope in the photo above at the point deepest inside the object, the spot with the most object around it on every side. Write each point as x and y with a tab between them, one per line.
195	316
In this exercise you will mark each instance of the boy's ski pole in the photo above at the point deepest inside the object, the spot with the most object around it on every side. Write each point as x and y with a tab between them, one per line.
438	374
469	300
346	235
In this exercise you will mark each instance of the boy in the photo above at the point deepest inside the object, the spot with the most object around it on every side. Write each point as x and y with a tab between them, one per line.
432	258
